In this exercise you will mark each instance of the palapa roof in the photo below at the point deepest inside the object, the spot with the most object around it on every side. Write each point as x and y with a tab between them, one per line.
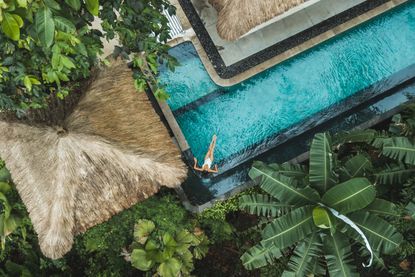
237	17
112	152
218	4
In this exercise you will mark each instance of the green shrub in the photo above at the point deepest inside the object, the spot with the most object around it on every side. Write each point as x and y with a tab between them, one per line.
314	211
168	253
98	251
49	46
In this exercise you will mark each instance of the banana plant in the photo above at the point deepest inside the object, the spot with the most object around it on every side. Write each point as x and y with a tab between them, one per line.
396	147
315	213
165	254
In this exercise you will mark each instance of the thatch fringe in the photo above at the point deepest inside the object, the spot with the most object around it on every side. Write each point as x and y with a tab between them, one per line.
237	17
111	152
218	4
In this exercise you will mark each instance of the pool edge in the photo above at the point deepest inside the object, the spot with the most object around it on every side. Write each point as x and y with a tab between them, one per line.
213	68
298	159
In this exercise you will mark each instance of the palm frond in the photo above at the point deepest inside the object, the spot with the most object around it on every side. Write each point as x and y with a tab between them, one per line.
352	195
394	174
290	170
262	205
339	256
322	176
410	208
282	187
401	149
260	255
356	166
382	236
290	228
383	208
301	261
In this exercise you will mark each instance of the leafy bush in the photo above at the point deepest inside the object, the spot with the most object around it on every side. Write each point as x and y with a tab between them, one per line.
98	251
171	254
319	211
213	220
95	253
49	46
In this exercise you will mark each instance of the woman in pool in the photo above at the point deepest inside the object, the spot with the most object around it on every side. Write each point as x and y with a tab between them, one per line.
206	167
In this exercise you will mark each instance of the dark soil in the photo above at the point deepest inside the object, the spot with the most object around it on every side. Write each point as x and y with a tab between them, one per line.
222	260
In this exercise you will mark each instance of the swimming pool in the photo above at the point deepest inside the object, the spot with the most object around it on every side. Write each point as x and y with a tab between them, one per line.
247	116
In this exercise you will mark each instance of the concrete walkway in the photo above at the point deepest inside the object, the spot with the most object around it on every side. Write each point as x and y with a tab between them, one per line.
287	26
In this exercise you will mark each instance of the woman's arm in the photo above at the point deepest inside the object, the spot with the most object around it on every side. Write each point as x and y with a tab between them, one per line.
195	166
214	170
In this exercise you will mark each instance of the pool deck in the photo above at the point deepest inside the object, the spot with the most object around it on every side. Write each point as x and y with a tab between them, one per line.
282	27
191	36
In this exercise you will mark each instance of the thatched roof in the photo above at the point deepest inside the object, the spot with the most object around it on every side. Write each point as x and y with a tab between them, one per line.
112	152
218	4
237	17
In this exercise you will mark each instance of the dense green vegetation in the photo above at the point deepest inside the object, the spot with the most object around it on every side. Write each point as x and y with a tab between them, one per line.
115	248
351	176
49	46
308	206
289	225
168	254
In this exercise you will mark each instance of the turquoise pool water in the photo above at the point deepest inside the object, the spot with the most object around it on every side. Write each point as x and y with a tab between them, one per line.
276	99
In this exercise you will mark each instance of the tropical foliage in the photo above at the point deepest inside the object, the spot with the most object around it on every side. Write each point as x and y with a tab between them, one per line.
11	218
98	252
49	46
314	214
389	156
170	255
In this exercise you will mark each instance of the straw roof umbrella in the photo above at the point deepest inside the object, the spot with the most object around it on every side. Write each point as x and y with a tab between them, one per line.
218	4
110	152
237	17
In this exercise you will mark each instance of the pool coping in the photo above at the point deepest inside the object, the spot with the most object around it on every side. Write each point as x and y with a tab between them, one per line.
279	52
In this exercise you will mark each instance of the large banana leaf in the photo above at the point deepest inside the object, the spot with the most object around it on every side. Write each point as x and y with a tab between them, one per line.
290	228
324	219
322	176
396	174
382	236
318	267
282	187
357	166
350	196
401	149
290	170
354	136
380	140
410	208
338	256
260	255
301	262
262	205
382	207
